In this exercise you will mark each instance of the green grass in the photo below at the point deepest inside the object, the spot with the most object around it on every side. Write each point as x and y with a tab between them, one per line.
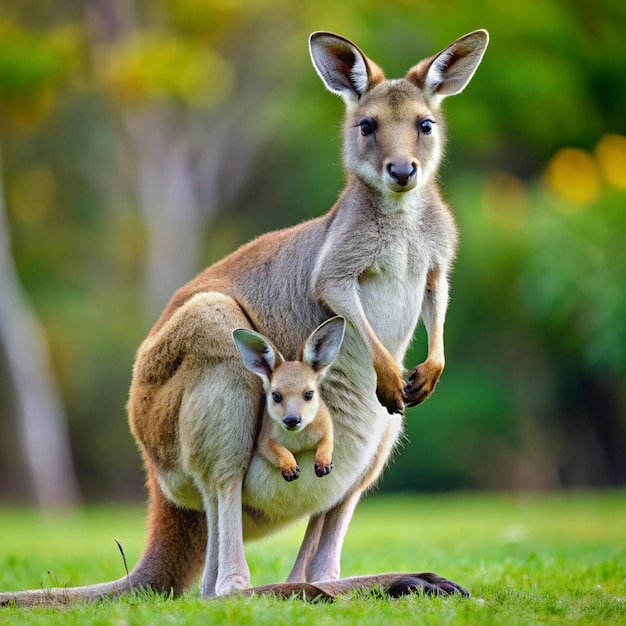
553	559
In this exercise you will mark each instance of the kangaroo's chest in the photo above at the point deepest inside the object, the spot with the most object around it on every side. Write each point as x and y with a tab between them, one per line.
392	287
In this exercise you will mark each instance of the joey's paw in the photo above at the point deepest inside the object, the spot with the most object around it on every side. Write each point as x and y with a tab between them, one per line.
291	473
323	470
422	383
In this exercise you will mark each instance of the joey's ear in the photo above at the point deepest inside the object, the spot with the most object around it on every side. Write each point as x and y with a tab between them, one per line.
258	354
343	68
322	346
449	72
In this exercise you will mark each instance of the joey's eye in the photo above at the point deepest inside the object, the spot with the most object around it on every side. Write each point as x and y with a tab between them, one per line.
426	127
308	395
277	396
368	126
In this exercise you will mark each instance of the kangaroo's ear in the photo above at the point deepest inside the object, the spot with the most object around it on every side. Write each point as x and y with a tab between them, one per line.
343	68
322	346
449	72
258	354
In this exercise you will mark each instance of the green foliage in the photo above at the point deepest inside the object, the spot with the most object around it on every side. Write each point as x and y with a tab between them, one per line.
539	560
33	66
153	65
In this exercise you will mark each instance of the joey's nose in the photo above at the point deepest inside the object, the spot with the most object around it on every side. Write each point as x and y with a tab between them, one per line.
402	173
291	422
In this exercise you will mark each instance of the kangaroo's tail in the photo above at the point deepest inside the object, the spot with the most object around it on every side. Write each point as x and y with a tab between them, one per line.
171	561
63	596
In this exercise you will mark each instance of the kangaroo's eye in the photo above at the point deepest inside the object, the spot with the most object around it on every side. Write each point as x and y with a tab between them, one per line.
277	396
368	126
308	395
426	127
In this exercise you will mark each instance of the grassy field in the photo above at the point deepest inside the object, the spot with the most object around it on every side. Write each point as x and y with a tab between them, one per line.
540	559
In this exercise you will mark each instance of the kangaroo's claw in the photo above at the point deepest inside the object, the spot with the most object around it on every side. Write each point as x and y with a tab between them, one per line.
291	474
323	470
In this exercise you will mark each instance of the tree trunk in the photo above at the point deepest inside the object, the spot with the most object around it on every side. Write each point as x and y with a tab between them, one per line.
42	424
178	160
165	192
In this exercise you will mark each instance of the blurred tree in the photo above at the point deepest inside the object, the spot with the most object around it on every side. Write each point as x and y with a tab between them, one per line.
187	97
30	69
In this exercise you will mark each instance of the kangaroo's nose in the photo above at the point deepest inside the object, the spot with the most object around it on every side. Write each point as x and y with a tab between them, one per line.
402	173
291	422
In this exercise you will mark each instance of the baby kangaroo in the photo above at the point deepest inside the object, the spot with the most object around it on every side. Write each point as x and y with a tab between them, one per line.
293	402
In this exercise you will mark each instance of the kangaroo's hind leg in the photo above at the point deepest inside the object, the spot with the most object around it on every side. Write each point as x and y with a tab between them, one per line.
219	412
320	559
194	409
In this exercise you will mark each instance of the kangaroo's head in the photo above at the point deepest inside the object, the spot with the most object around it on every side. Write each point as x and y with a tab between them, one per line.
292	387
394	131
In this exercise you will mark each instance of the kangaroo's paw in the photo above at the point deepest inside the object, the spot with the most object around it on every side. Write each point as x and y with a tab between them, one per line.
422	382
322	469
389	392
427	582
291	473
393	584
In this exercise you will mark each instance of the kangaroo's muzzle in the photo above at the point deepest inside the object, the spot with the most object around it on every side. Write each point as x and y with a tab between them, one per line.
292	422
401	176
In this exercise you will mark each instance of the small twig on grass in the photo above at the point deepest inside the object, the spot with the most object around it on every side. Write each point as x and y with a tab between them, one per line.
119	545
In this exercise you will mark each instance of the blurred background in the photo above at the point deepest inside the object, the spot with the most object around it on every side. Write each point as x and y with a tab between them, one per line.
141	141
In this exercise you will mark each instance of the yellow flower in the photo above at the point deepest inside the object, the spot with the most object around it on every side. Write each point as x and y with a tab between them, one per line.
611	157
573	175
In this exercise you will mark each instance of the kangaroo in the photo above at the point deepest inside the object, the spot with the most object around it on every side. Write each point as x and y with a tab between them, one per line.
380	258
292	401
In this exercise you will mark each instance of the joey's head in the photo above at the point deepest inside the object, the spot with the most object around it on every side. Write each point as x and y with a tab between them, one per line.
292	395
292	387
394	131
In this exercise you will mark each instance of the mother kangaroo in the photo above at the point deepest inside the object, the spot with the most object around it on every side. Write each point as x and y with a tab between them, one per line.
380	258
